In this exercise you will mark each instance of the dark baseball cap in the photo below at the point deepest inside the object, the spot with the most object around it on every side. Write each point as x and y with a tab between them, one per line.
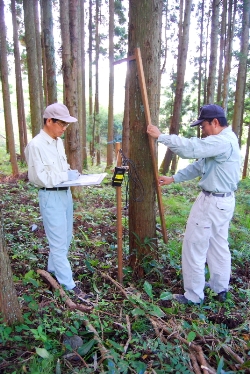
209	111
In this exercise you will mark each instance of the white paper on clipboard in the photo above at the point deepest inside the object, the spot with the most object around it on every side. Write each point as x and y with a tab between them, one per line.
84	180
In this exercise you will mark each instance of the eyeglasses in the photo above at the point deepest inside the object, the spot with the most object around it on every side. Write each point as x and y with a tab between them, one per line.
207	121
64	125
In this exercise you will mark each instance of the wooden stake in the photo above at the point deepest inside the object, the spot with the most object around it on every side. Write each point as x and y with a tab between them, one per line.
151	140
119	217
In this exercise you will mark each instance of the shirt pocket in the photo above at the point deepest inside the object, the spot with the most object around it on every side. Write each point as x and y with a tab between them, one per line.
64	162
197	231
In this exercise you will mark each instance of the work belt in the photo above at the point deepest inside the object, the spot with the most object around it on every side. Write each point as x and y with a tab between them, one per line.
217	194
55	188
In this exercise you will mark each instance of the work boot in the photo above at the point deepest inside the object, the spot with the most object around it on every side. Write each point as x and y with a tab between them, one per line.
221	297
181	299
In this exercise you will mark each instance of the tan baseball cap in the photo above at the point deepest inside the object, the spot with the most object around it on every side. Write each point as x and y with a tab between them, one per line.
58	111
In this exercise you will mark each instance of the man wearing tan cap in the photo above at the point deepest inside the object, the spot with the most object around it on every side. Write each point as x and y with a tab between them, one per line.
47	167
206	235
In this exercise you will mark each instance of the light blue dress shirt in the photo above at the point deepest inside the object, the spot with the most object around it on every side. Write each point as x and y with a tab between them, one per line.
218	157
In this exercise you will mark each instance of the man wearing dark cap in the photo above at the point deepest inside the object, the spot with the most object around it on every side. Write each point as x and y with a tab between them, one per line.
206	235
48	167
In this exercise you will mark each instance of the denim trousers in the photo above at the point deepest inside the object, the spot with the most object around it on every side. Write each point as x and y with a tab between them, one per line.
56	208
206	241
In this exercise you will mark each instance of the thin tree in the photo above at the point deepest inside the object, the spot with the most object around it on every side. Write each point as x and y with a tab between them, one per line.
96	114
200	62
222	50
49	64
39	52
228	51
242	69
246	159
144	31
125	122
83	121
213	51
111	86
6	92
69	33
91	125
33	67
184	27
19	86
9	305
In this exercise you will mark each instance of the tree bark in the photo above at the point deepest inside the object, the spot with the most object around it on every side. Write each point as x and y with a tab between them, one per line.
242	69
9	305
144	32
33	67
6	92
49	52
19	87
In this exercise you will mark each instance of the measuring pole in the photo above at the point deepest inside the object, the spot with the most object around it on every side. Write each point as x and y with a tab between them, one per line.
119	217
151	140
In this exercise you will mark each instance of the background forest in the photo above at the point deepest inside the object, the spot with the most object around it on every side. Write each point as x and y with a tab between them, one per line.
84	53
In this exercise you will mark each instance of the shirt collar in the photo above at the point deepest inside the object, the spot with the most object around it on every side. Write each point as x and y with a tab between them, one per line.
47	136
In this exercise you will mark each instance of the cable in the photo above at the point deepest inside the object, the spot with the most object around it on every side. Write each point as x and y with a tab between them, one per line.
137	186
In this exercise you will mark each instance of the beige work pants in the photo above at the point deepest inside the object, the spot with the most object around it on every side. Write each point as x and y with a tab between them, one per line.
206	240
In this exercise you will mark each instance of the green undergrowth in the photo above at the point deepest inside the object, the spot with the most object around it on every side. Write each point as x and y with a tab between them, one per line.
137	328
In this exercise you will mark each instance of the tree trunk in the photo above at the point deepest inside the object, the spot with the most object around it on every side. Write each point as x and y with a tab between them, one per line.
200	63
83	98
111	86
222	50
125	123
19	87
6	92
228	52
91	125
144	32
39	54
245	167
69	32
49	52
33	67
213	51
97	117
242	69
181	68
9	305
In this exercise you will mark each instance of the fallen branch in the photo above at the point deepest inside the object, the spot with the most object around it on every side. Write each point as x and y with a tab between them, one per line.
67	299
228	350
159	324
195	365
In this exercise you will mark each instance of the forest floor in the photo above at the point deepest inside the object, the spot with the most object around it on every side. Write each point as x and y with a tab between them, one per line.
133	328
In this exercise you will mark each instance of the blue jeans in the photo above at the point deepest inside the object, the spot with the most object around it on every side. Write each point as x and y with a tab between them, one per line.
56	208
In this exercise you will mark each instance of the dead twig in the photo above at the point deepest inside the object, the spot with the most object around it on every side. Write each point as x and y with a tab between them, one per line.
129	336
67	299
